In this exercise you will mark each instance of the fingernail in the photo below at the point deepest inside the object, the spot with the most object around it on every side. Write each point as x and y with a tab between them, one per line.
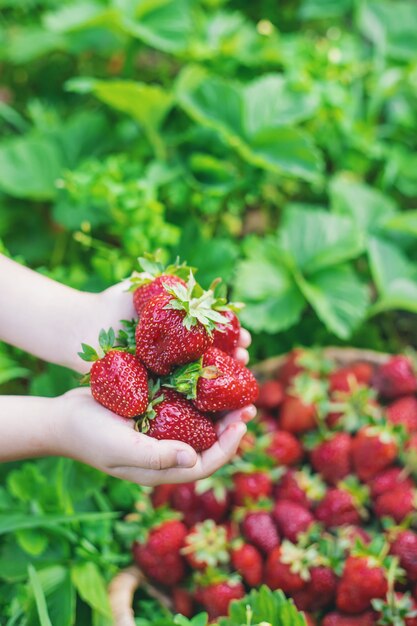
249	413
185	458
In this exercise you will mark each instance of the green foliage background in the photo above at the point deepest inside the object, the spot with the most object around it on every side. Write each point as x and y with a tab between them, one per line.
270	143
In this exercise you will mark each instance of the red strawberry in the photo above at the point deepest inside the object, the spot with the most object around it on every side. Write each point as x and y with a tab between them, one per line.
297	417
118	380
267	421
396	378
176	327
292	519
217	596
217	383
183	601
303	360
404	547
288	567
338	619
207	499
259	529
161	495
387	480
151	281
373	449
271	395
362	580
404	411
332	457
157	287
159	556
172	417
319	592
250	487
298	412
343	504
247	561
284	448
226	336
167	570
206	545
300	487
397	503
345	378
291	366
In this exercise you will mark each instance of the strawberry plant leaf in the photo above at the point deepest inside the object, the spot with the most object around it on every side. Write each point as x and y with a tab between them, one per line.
317	239
392	26
91	586
366	206
338	297
273	300
59	595
255	119
39	596
394	276
263	606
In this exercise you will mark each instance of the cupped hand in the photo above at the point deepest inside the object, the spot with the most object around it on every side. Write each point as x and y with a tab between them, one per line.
94	435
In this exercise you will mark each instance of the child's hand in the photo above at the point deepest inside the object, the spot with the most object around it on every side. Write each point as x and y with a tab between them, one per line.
88	432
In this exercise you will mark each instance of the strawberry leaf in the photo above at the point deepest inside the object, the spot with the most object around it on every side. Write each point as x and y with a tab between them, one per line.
263	606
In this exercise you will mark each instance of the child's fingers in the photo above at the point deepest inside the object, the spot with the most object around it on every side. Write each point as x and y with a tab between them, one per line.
241	355
145	453
245	414
245	338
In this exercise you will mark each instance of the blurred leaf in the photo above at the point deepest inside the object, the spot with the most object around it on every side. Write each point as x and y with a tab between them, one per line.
15	521
163	24
324	9
405	223
32	541
41	161
10	369
318	239
273	301
395	277
391	26
25	44
38	593
254	119
215	257
54	381
338	297
148	104
265	606
59	594
91	586
81	15
368	207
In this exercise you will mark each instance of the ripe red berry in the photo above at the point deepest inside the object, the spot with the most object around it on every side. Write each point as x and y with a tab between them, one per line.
259	529
248	562
332	457
226	336
292	519
271	395
176	418
404	411
284	448
396	378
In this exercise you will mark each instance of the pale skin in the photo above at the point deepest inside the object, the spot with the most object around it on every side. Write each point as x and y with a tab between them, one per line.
50	321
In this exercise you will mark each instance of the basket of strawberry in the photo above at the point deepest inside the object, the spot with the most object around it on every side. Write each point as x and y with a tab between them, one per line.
172	368
319	502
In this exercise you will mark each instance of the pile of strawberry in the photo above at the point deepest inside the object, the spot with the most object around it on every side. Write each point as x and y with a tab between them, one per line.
173	368
319	502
